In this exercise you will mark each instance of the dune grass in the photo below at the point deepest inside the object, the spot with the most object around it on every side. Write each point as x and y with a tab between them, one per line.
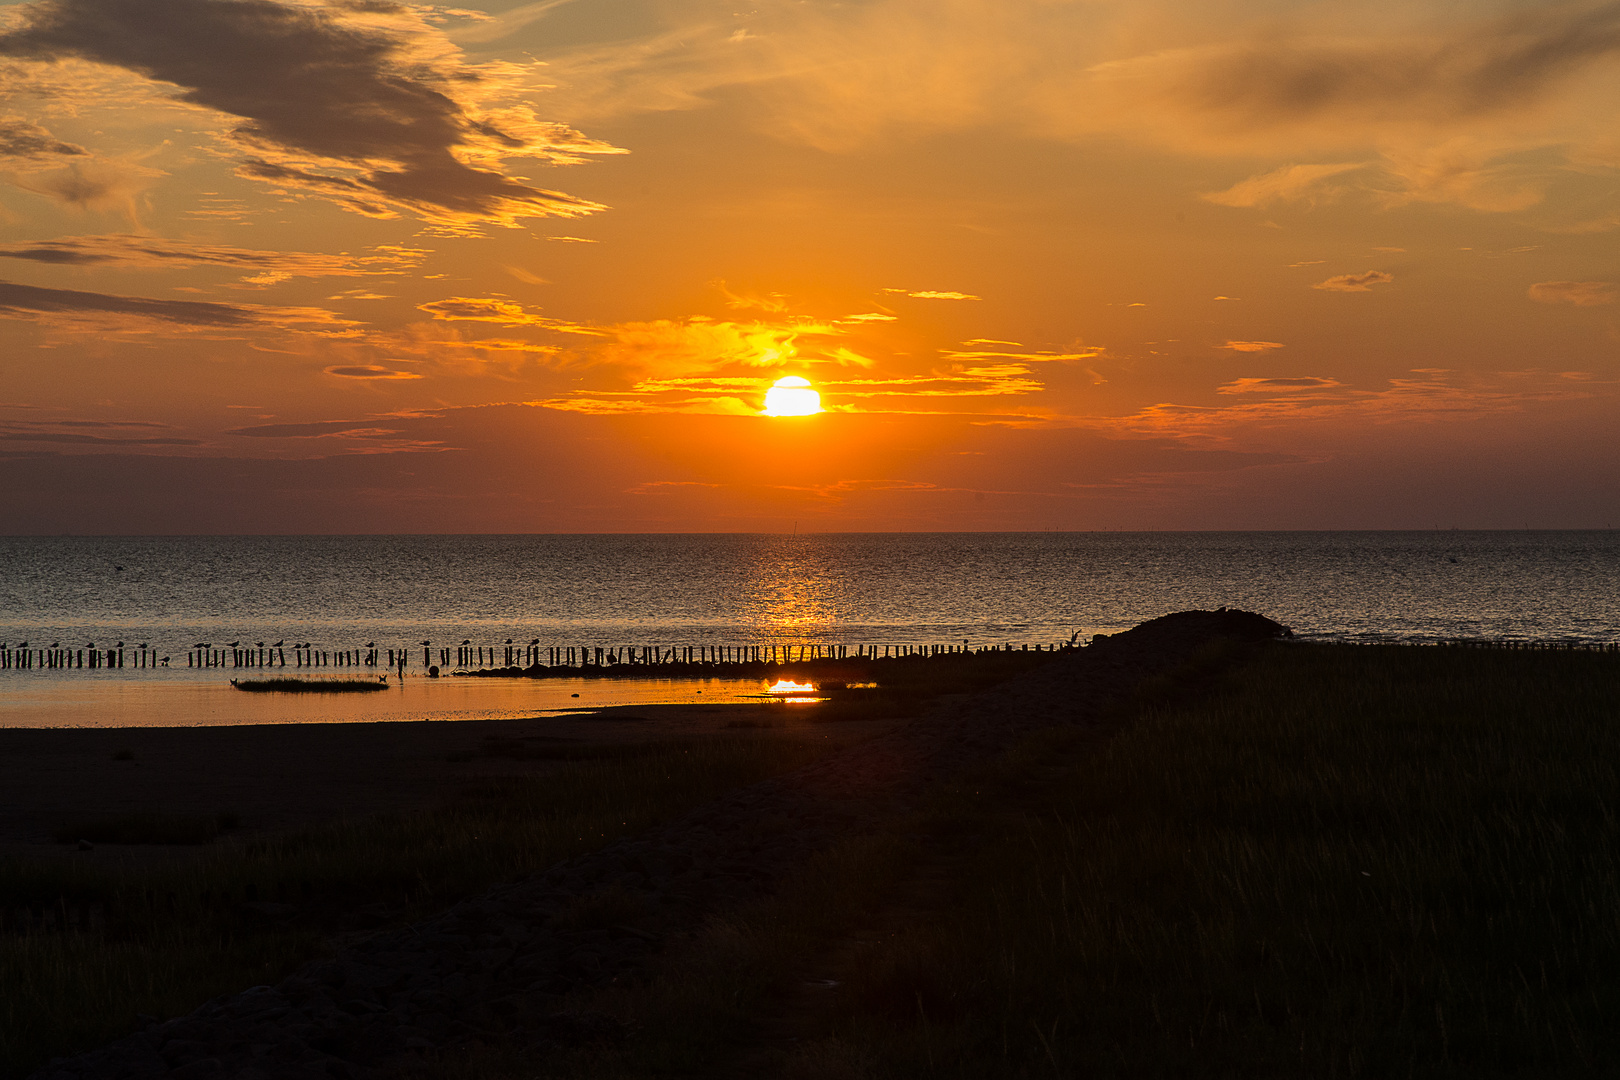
1329	861
84	952
148	828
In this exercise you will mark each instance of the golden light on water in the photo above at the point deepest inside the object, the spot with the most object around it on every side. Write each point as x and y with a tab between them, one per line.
791	396
788	686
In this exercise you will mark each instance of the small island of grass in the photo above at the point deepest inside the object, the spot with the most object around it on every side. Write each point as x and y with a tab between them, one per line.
311	686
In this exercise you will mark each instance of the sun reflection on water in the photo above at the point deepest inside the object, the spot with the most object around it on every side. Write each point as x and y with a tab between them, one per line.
791	692
791	592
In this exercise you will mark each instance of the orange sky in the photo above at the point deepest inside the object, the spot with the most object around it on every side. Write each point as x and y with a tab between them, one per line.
1076	264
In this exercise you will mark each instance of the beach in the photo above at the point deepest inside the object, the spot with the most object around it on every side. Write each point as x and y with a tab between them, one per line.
276	777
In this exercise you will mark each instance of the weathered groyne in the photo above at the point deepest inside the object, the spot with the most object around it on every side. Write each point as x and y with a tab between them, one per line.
534	660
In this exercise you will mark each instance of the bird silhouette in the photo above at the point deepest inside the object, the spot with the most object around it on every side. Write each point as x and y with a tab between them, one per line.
279	644
536	641
466	641
258	644
89	644
142	645
56	644
427	643
371	644
23	645
120	645
236	644
118	568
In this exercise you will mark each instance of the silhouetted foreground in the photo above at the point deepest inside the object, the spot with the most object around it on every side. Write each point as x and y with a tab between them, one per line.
498	968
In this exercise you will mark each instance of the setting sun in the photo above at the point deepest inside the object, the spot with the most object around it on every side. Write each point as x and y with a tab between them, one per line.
791	396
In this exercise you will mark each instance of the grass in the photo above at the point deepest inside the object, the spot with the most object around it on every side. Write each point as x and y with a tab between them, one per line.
1330	861
311	686
161	941
148	829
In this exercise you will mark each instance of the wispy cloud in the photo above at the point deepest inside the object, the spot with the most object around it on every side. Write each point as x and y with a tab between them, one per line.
1251	346
933	294
32	302
772	302
1291	183
21	138
1355	282
156	253
493	309
1277	386
370	371
50	432
1421	394
1576	293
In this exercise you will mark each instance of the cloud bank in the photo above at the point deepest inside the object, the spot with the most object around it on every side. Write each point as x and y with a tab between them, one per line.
365	104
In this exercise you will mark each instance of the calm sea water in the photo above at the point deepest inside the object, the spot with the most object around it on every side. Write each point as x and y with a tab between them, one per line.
341	592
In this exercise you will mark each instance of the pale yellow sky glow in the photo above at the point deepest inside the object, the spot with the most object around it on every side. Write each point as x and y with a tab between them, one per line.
280	265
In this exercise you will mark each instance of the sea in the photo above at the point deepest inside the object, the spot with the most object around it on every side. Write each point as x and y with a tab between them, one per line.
170	594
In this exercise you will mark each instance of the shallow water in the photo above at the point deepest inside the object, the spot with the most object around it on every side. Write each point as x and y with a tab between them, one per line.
159	701
850	589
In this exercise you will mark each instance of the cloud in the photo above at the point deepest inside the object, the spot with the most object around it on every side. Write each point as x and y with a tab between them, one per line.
43	432
665	348
1028	356
1578	293
771	302
1291	183
369	371
31	302
963	381
20	138
932	294
155	253
1469	69
1251	346
1439	102
364	104
91	184
1272	386
1355	282
92	440
495	310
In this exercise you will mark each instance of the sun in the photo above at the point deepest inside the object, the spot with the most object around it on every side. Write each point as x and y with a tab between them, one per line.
792	396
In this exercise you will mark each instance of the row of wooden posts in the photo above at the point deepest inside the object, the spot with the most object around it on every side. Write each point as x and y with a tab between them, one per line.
25	657
467	655
1547	646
